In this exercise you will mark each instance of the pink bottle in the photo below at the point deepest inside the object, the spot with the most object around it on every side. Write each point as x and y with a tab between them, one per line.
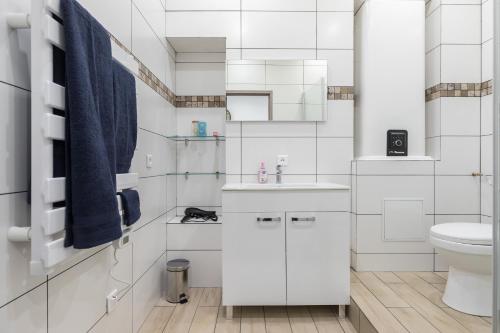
262	177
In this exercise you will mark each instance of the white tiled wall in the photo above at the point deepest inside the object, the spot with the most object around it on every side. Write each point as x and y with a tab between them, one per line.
455	29
313	149
27	313
461	32
257	30
379	243
72	299
269	29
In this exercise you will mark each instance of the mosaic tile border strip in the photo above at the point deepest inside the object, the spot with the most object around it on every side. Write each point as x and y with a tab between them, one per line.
148	77
459	90
487	88
340	93
334	92
151	80
200	101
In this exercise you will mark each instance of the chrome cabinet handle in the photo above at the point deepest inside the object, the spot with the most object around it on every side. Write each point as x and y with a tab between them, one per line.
269	219
304	219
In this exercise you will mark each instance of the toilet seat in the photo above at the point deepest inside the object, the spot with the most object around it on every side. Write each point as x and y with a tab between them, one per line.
469	238
466	233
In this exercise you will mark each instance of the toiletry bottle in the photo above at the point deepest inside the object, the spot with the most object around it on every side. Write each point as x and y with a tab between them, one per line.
202	128
194	125
262	178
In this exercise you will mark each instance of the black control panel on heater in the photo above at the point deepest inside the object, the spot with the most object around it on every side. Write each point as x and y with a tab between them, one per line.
397	143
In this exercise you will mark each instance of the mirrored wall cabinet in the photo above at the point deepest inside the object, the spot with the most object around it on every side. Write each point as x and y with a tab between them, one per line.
276	90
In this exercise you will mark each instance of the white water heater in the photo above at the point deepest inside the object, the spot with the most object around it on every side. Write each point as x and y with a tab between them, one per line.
389	75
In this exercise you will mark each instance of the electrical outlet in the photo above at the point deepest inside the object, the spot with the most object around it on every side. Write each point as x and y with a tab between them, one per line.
149	161
282	160
111	301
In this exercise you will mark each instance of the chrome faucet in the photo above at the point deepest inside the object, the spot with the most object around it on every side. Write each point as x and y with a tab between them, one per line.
279	172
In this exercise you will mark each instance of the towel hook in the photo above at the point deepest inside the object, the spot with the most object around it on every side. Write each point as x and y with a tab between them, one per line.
217	174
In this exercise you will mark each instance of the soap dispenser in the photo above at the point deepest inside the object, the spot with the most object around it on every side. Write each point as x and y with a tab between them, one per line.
262	178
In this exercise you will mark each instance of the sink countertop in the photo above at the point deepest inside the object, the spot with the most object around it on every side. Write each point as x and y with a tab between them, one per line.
283	187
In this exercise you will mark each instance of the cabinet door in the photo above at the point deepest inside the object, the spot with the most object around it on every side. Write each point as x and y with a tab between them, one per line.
253	257
317	246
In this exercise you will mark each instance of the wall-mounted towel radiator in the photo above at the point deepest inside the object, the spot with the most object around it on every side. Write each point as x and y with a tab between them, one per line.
47	222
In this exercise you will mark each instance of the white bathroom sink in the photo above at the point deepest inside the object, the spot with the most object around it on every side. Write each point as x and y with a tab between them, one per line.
282	187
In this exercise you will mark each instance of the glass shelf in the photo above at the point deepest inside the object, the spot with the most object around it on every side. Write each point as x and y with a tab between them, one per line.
187	174
177	220
197	138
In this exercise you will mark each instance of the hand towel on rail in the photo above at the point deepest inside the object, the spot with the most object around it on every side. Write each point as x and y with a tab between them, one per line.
125	106
92	216
125	109
131	206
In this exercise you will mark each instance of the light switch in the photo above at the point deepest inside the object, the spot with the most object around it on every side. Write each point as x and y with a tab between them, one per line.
149	161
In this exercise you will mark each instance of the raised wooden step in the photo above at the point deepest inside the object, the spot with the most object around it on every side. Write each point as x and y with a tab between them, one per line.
387	302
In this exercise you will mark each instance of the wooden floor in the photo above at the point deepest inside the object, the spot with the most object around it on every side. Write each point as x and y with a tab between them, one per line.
204	314
380	302
407	302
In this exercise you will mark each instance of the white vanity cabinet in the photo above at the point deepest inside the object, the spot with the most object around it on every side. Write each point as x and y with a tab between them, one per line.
285	245
254	264
317	257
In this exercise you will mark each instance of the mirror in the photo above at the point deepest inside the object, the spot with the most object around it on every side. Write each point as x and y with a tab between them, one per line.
276	90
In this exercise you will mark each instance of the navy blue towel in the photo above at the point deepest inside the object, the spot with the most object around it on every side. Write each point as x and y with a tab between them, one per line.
92	216
125	106
131	206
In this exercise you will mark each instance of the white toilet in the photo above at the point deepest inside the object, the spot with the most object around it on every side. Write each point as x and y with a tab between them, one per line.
468	249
